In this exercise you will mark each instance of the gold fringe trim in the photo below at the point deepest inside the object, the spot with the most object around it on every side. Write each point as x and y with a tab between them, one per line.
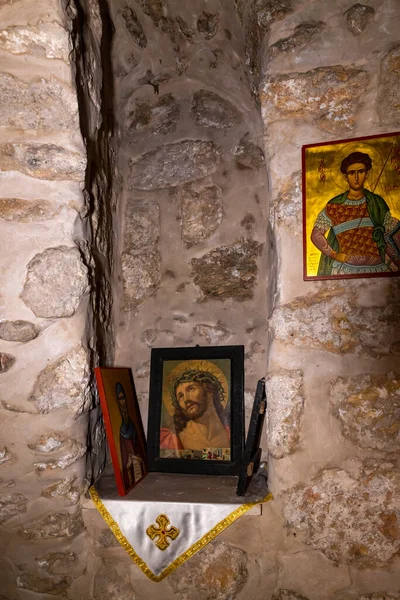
208	537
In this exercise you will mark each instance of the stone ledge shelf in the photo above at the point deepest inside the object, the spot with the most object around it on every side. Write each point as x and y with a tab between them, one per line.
185	489
167	518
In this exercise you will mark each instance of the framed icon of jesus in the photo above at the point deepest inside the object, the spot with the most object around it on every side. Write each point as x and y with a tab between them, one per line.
196	412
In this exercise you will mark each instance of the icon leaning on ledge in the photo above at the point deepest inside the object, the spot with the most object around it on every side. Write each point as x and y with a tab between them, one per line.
123	425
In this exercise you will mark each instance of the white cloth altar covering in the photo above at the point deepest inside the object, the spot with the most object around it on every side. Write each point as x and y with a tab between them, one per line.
167	518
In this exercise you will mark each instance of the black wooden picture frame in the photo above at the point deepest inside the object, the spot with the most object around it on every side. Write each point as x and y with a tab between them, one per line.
196	410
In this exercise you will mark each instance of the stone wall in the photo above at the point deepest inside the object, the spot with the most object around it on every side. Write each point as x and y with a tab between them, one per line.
333	375
54	304
193	116
193	203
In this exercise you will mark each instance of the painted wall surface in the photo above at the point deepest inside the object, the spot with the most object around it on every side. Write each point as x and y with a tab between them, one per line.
150	168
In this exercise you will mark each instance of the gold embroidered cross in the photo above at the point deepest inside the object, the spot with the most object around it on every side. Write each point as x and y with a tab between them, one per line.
161	532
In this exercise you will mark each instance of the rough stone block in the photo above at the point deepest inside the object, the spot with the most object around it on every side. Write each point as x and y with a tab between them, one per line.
301	36
331	320
134	27
63	383
389	82
153	118
201	213
44	585
284	413
248	223
149	336
211	110
142	224
218	572
12	505
249	155
54	525
351	518
228	271
174	164
71	452
368	408
40	104
208	25
184	29
157	10
12	407
25	211
55	282
63	487
56	562
6	362
44	39
286	211
261	15
269	11
107	539
143	370
44	161
141	277
239	7
17	331
5	455
47	443
329	96
358	17
214	334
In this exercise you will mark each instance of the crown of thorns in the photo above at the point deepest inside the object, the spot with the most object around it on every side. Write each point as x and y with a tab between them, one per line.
198	377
